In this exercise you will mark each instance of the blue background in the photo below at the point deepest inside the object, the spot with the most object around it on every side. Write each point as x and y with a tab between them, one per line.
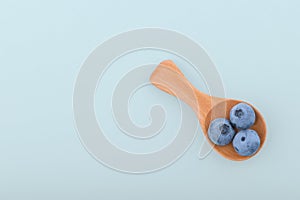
254	44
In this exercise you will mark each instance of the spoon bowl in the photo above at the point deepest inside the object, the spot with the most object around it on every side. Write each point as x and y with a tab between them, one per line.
222	110
170	79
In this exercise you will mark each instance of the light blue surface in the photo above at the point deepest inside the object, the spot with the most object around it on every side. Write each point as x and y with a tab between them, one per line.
254	44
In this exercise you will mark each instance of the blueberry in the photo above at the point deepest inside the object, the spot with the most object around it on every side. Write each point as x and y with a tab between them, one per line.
242	116
220	131
246	142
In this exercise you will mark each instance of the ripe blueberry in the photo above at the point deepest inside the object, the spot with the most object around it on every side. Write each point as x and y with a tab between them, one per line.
242	116
220	131
246	142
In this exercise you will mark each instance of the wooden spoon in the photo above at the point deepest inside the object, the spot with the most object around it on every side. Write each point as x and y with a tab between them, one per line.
170	79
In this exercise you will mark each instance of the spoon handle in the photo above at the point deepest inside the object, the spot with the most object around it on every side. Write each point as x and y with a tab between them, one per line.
170	79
